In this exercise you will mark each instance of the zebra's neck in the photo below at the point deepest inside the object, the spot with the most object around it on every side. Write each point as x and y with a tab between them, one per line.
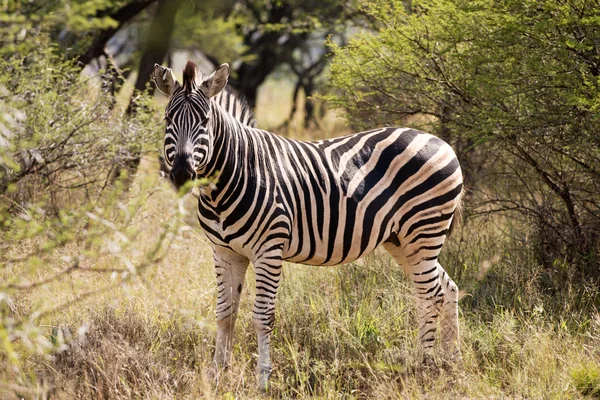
231	152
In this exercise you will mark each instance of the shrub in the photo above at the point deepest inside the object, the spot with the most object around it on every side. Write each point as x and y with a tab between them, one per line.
514	86
65	209
59	134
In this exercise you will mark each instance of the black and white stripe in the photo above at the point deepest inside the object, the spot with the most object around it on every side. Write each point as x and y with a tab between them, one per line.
320	203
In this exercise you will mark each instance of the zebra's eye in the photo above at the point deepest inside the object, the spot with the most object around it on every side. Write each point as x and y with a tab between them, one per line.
169	120
169	158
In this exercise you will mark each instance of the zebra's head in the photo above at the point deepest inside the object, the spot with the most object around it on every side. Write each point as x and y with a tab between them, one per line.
188	144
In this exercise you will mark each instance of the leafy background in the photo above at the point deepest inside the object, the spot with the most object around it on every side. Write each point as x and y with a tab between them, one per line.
106	282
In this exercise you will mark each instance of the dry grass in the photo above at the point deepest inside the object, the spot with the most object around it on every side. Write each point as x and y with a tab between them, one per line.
274	107
345	331
341	332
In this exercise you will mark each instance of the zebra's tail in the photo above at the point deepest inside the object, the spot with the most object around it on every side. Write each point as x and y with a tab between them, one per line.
457	218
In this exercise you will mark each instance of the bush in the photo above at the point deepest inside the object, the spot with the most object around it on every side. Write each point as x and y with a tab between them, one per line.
67	207
60	135
514	86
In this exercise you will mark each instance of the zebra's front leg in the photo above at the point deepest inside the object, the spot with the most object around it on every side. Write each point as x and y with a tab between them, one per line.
268	275
230	269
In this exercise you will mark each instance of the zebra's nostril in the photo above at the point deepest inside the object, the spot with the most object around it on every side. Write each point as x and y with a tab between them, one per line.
180	176
182	171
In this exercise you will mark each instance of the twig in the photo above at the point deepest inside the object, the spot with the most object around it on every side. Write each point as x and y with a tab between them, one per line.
30	285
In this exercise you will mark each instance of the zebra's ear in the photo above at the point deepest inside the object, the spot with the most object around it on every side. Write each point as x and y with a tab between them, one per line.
164	79
213	85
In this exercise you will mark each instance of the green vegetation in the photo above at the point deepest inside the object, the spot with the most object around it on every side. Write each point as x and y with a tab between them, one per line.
514	86
107	287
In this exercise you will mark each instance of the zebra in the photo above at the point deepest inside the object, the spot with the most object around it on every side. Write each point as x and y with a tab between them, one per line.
327	202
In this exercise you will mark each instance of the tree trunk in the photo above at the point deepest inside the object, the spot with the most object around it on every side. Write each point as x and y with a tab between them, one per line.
251	75
268	51
309	106
157	47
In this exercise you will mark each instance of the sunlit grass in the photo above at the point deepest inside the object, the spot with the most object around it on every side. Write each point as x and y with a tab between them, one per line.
274	107
346	331
341	332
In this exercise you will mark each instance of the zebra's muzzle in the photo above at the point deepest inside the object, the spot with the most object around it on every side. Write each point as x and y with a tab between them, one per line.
182	171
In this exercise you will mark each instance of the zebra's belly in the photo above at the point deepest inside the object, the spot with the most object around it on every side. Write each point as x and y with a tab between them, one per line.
343	238
321	256
338	240
241	244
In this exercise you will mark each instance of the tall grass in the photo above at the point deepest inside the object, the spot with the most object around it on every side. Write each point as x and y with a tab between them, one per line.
347	331
340	332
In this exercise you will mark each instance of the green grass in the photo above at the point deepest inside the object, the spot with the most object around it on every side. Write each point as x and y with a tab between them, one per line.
341	332
586	378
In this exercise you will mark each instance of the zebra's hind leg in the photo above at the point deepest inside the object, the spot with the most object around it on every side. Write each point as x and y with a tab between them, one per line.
231	269
436	293
425	281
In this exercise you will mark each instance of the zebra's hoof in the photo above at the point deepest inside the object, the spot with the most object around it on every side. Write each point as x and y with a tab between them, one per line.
452	359
214	372
263	380
429	360
455	355
452	352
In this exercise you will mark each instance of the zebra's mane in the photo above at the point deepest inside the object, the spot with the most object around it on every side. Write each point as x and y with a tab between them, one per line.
235	105
228	99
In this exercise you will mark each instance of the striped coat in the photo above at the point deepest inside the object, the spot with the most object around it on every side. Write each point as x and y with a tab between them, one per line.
320	203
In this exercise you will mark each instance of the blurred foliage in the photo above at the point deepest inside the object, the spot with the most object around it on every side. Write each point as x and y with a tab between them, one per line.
261	37
21	22
211	27
256	37
515	86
